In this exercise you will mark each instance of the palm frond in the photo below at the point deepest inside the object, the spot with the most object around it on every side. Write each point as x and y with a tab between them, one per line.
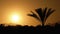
33	15
44	14
49	13
39	12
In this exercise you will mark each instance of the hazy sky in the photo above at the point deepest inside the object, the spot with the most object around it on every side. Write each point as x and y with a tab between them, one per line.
23	7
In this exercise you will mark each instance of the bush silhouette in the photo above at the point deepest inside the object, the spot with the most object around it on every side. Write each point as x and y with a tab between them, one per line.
31	29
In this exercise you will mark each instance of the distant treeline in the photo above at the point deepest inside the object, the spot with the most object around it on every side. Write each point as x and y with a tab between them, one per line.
31	29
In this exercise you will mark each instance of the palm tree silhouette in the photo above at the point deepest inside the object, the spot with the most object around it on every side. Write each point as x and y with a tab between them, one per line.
43	14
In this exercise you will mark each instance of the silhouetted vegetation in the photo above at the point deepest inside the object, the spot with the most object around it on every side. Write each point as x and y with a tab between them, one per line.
43	14
29	29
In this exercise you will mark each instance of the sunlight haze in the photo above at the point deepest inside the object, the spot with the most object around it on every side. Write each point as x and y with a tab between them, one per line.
13	12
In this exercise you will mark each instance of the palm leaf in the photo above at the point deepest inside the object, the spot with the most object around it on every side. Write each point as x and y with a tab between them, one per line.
44	14
33	15
39	12
49	13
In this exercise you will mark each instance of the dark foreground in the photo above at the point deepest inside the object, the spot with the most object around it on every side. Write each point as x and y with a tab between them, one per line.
30	29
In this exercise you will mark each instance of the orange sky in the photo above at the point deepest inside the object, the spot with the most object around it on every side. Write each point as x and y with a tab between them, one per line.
23	7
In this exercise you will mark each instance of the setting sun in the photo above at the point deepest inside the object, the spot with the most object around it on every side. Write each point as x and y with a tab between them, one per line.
15	18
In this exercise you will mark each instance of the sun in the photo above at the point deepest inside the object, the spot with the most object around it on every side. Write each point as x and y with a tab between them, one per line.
15	18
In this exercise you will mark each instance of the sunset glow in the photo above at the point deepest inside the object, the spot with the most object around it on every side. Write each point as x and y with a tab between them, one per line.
15	18
15	12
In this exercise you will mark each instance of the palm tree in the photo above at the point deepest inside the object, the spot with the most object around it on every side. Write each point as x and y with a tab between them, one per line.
43	14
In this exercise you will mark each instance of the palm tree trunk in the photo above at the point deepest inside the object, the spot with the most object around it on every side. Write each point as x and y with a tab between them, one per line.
43	24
